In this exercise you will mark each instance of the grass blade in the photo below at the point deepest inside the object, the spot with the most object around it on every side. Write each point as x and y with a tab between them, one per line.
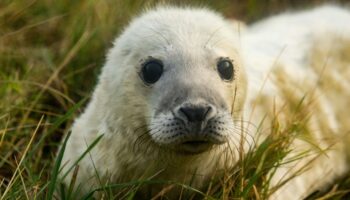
55	170
83	155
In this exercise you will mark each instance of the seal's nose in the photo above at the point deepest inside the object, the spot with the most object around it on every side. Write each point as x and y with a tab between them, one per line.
195	113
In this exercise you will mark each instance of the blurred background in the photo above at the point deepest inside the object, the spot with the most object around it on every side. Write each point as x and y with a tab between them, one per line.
68	40
50	55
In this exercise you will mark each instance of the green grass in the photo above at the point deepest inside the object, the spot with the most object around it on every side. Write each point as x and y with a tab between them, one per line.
50	55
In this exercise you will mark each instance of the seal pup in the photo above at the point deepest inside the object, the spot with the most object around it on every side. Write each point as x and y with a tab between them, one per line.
168	102
171	96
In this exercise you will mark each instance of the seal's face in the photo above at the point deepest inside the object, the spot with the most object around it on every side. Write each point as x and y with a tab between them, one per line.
190	91
189	76
190	108
190	99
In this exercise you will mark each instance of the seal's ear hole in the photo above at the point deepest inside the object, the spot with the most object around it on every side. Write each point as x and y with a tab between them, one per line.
151	71
225	69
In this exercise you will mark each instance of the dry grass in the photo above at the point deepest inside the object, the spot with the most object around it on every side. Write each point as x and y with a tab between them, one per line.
50	54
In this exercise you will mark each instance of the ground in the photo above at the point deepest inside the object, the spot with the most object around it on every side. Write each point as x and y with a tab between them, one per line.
50	55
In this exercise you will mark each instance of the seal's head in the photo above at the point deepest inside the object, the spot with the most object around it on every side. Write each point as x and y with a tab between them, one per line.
178	76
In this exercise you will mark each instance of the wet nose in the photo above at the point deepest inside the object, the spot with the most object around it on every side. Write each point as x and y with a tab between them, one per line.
195	114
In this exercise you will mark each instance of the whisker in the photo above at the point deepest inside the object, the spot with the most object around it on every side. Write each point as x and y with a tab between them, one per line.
160	34
239	132
212	36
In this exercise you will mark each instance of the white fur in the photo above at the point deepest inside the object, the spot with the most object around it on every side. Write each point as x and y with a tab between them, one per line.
121	104
285	37
285	41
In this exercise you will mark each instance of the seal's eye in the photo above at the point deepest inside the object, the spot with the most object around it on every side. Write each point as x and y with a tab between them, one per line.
151	71
225	69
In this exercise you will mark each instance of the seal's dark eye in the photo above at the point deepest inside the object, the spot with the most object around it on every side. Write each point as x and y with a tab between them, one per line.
225	69
151	71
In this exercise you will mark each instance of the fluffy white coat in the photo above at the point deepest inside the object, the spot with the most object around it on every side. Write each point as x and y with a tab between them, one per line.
281	41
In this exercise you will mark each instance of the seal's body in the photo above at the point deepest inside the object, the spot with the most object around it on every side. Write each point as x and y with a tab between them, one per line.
171	98
298	70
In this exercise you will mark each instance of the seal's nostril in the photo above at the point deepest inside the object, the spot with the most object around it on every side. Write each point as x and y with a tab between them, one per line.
195	114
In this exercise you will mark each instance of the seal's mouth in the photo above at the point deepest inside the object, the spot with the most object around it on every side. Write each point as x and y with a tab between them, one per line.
195	142
195	146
